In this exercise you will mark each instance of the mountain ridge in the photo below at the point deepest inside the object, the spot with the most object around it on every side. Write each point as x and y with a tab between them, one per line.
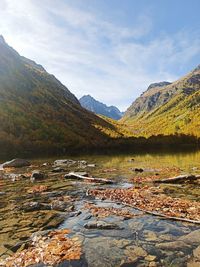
93	105
39	114
156	112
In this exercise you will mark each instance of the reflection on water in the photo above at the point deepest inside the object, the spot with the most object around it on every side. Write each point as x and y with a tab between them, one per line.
140	241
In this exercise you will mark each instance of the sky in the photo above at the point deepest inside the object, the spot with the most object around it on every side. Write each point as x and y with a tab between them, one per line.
110	49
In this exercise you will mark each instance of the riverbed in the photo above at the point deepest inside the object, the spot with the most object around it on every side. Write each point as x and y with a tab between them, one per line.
136	240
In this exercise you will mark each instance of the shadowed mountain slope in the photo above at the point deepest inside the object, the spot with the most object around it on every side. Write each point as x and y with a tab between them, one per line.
38	113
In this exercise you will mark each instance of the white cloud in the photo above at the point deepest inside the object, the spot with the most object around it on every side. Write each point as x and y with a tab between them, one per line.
91	55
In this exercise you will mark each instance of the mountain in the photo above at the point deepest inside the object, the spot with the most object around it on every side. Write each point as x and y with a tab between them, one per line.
97	107
38	114
167	108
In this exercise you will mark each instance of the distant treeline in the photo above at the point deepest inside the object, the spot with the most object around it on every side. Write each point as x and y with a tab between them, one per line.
179	142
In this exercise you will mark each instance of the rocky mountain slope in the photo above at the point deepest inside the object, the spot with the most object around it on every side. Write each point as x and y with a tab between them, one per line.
97	107
167	108
39	114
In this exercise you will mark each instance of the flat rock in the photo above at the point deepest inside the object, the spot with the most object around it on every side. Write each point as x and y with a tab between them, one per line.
134	253
33	206
175	245
196	253
16	163
101	225
64	162
191	238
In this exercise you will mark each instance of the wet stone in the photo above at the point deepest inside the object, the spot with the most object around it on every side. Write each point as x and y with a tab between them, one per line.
37	175
191	238
175	245
101	225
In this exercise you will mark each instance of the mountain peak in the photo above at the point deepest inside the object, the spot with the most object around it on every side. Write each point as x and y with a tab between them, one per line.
159	84
91	104
197	68
2	40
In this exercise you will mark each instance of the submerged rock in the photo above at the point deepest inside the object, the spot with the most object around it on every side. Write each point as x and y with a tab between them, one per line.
175	245
134	253
16	163
101	225
33	206
191	238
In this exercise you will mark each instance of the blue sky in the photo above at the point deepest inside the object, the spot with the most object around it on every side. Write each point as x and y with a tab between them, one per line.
111	49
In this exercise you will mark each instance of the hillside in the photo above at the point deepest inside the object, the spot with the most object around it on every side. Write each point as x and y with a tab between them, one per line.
39	114
97	107
167	108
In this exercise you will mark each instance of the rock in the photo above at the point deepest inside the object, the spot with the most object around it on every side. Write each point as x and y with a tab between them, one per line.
91	165
59	205
33	206
82	162
46	164
88	217
191	238
101	225
58	169
53	222
150	236
196	253
138	170
134	253
37	175
150	258
153	264
175	245
64	162
193	263
16	163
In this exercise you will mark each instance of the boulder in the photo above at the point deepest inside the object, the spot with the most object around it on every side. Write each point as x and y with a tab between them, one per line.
16	163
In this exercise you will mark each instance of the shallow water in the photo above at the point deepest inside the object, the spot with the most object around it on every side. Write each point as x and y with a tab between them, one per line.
143	240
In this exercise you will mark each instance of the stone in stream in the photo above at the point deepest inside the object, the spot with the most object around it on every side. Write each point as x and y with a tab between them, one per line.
64	162
101	225
37	175
134	253
196	252
58	169
138	170
34	206
174	245
191	238
59	205
16	163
